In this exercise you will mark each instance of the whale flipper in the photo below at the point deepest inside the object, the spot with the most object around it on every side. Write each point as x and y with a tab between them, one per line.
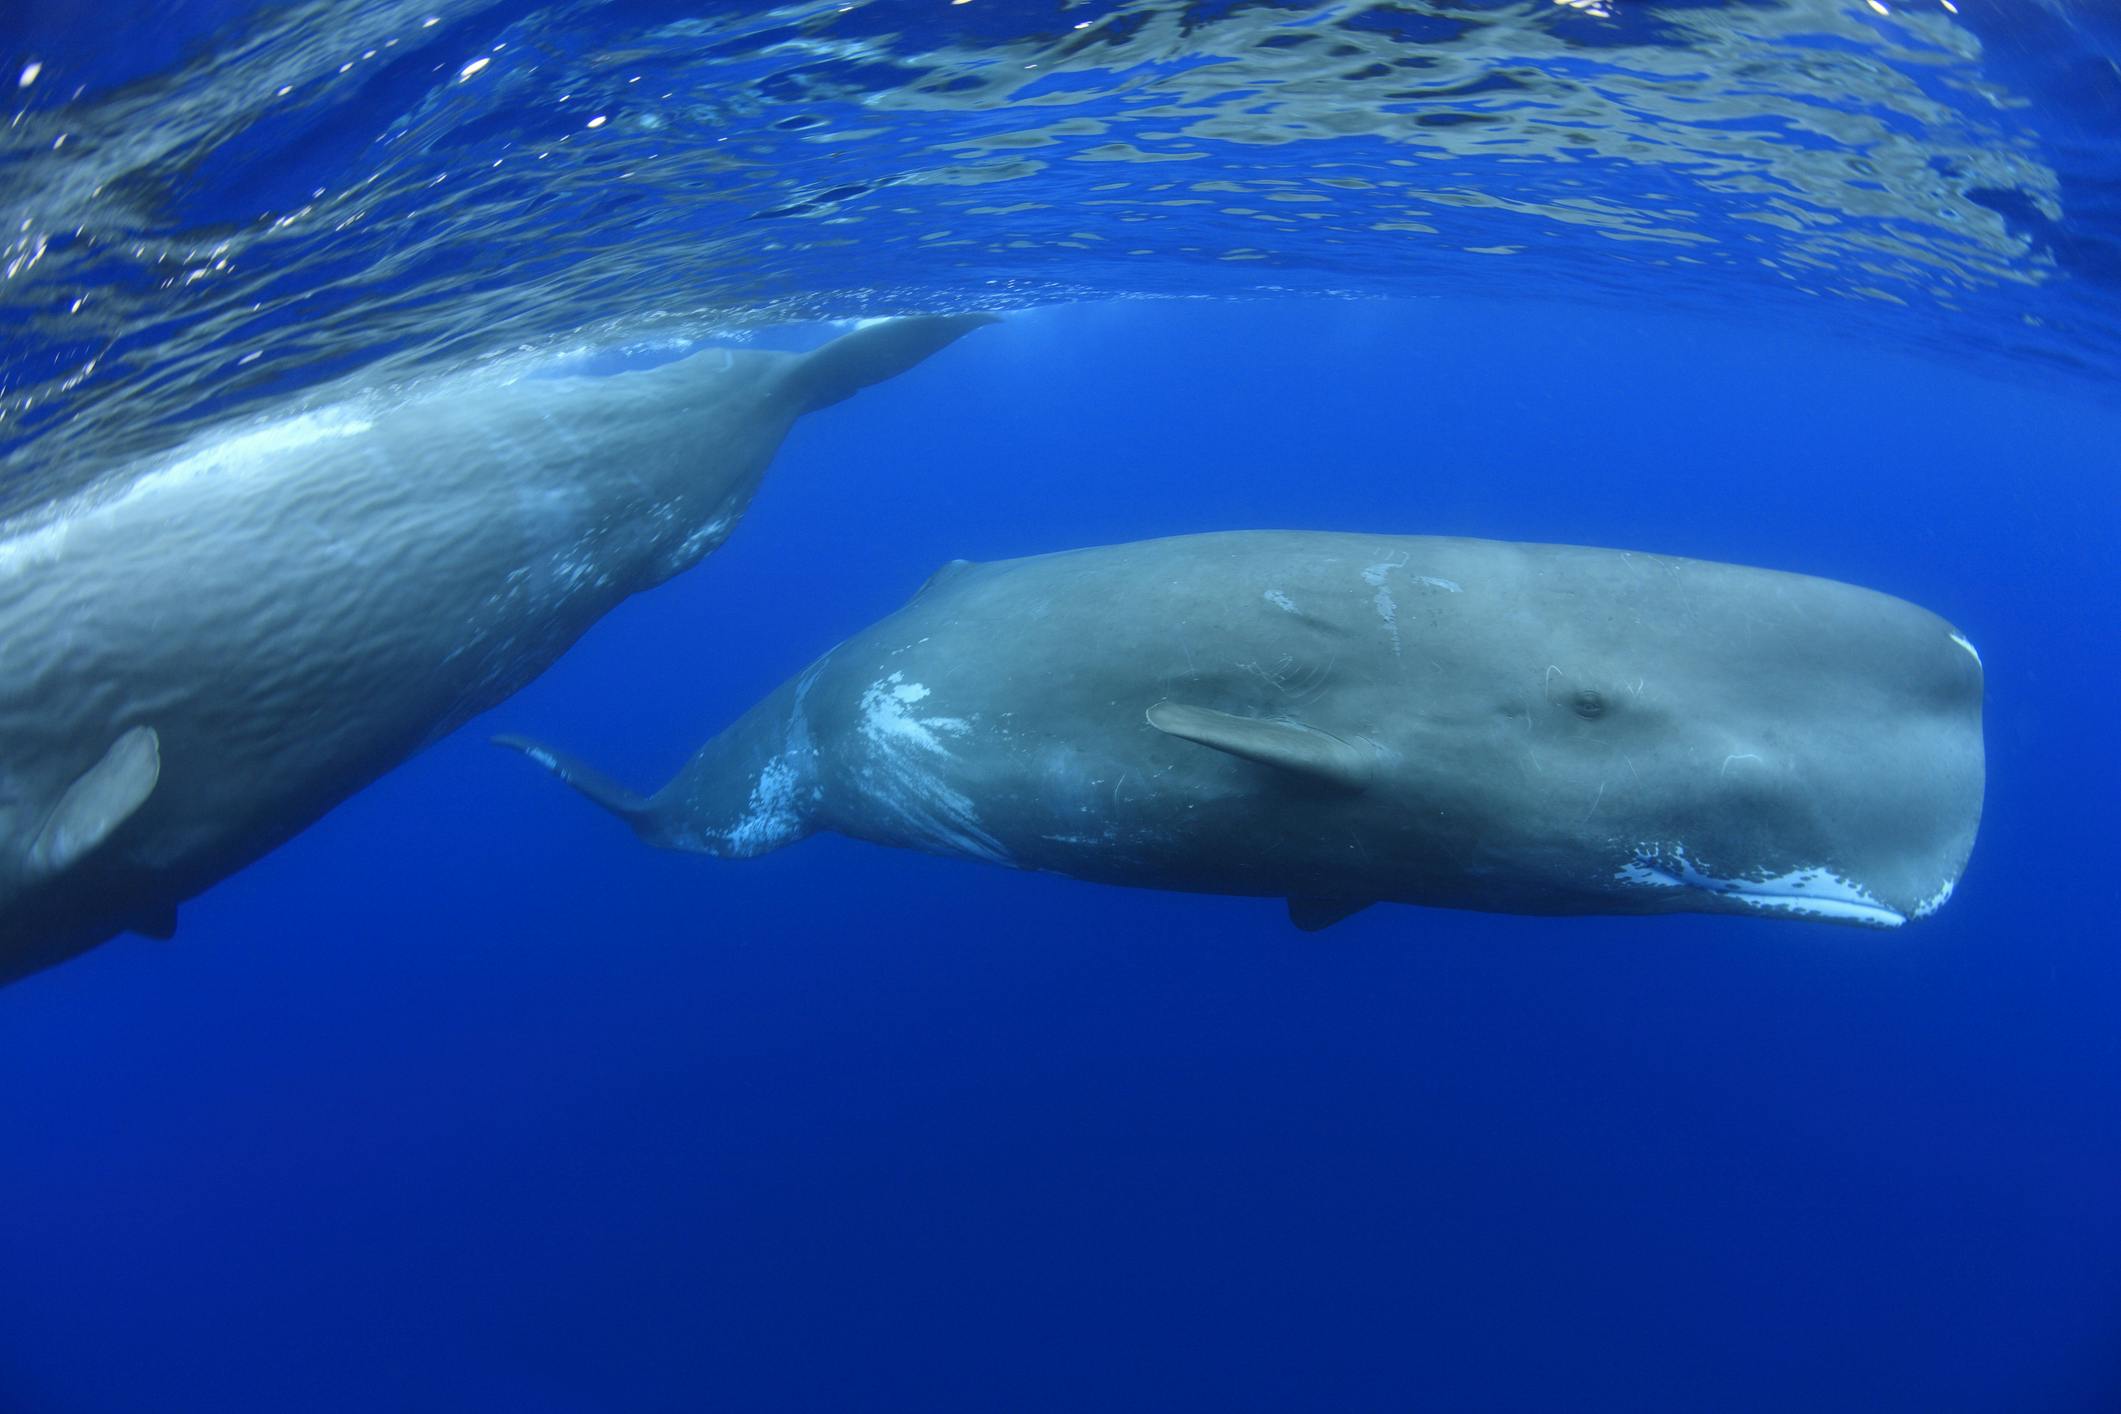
1288	746
874	353
105	797
1317	914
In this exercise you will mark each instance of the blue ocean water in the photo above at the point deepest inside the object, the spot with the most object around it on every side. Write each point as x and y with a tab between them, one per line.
465	1100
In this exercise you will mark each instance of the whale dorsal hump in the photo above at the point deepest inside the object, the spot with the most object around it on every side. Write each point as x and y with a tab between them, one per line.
1316	914
949	570
1301	750
104	798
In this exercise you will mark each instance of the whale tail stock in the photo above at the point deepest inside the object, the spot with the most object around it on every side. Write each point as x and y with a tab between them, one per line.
872	353
747	792
636	810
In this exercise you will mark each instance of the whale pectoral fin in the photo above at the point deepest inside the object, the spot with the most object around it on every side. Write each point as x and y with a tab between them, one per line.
105	797
1288	746
1317	914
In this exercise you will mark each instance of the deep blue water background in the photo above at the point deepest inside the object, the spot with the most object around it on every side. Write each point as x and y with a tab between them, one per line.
465	1100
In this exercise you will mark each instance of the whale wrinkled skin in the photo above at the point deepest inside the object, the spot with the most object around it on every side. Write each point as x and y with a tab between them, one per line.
202	663
1344	719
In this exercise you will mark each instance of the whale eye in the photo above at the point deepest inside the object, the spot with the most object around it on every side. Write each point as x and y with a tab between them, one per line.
1589	703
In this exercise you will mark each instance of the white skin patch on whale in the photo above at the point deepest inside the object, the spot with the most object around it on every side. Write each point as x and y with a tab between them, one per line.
1936	900
1280	601
886	720
772	816
707	537
902	777
1387	608
1388	611
1378	577
1815	891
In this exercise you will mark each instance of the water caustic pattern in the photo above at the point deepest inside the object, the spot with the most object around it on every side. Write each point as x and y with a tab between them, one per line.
337	186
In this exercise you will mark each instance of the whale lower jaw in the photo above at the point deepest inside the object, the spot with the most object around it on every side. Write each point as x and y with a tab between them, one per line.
1807	893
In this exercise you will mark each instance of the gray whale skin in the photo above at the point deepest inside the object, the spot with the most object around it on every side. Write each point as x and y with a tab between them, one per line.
1342	719
201	664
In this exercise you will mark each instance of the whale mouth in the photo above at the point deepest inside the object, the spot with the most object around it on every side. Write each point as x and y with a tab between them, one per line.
1815	892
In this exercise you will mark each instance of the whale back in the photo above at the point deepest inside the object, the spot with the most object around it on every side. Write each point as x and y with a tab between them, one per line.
207	658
